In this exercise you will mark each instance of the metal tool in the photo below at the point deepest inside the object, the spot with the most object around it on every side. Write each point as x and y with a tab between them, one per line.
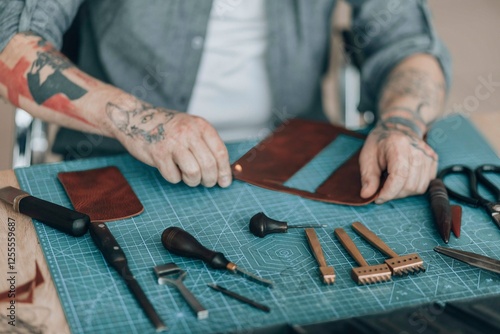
476	177
399	264
240	297
365	274
327	273
181	243
473	259
261	225
63	219
115	257
170	273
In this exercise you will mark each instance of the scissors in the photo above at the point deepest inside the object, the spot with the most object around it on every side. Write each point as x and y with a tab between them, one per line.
475	199
473	259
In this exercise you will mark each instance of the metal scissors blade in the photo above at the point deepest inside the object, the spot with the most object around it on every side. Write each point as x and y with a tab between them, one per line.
470	258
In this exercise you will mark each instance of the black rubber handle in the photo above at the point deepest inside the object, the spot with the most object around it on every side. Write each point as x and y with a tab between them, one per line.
261	225
109	247
181	243
63	219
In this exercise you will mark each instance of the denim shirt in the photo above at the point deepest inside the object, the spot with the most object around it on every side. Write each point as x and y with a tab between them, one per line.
153	48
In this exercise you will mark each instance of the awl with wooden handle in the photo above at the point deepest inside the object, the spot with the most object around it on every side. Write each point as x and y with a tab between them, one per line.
181	243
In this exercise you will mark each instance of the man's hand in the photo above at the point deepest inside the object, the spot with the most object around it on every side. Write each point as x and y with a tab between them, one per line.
410	163
42	81
412	98
181	146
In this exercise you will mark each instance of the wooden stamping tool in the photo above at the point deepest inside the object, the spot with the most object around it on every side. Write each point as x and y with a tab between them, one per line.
399	265
327	273
365	274
170	273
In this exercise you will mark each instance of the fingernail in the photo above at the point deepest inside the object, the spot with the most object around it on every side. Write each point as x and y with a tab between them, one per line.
225	181
379	201
364	185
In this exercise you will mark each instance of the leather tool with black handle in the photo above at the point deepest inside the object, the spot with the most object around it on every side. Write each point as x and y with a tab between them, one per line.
115	257
63	219
181	243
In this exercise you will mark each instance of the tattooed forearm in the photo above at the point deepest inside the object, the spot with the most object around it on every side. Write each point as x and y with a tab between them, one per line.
398	125
414	83
144	121
53	64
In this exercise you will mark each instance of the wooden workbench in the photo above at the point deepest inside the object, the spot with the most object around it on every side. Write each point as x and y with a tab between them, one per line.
45	313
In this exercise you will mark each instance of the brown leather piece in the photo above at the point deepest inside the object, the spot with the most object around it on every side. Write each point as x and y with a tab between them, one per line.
456	219
103	193
289	148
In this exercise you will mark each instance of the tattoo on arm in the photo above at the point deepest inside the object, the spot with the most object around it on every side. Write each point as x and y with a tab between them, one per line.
56	82
404	126
144	122
414	83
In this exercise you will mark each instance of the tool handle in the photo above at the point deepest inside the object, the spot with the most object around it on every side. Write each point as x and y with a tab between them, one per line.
440	208
181	243
487	183
350	247
313	241
63	219
261	225
373	239
109	247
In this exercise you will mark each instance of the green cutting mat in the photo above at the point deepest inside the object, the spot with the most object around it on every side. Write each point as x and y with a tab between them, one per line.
96	300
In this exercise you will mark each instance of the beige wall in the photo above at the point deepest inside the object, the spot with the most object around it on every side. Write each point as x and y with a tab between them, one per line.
471	29
6	134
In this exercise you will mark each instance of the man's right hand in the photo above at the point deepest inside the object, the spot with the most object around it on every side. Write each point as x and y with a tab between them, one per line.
37	78
182	147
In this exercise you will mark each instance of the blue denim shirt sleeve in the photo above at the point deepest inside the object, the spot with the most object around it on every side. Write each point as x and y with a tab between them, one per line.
47	18
385	33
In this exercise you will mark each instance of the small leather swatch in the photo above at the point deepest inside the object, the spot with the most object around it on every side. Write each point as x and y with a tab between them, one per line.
289	148
103	193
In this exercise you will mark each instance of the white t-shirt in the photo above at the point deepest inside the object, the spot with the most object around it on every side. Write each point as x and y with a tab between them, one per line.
232	88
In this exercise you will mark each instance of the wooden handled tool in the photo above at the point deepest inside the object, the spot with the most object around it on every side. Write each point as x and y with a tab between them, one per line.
365	274
181	243
327	273
399	265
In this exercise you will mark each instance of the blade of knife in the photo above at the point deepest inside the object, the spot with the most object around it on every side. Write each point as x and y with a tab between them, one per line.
470	258
59	217
254	278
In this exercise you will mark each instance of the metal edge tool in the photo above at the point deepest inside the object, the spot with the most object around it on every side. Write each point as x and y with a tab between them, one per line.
171	274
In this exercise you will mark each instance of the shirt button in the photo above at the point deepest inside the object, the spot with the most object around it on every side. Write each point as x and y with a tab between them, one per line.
197	42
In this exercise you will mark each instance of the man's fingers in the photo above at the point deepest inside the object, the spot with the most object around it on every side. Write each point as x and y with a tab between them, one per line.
206	161
219	151
188	165
398	171
370	171
169	171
